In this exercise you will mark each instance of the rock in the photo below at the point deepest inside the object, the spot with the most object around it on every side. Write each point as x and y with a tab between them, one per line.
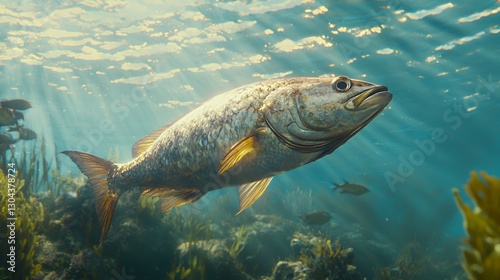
85	264
290	270
268	240
301	242
51	258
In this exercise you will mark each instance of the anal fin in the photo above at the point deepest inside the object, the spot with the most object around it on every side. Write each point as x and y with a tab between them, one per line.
249	193
155	191
171	198
176	198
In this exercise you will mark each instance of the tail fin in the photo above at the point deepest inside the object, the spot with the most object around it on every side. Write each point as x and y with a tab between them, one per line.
97	171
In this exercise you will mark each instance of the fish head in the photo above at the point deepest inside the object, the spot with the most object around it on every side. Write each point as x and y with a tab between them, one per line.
320	114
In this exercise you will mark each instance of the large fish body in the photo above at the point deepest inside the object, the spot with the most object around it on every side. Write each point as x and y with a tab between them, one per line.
188	153
240	138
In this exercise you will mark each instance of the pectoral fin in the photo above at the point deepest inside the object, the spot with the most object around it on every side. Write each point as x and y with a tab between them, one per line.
249	193
237	152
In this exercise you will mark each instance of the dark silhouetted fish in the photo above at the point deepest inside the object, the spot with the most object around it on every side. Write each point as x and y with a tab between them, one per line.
7	117
317	218
16	104
240	138
6	139
349	188
24	133
19	115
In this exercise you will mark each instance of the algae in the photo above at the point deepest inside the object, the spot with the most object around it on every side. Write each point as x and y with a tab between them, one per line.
482	255
239	242
327	261
410	265
192	265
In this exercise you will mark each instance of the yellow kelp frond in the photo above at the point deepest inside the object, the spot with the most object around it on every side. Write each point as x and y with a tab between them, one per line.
482	257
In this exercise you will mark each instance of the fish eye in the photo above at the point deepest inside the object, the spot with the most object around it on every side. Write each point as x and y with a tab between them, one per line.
341	84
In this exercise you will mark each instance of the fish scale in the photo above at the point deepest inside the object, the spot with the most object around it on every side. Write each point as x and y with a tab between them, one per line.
240	138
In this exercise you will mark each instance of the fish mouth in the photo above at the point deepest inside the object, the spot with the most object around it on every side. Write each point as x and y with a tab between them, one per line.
373	97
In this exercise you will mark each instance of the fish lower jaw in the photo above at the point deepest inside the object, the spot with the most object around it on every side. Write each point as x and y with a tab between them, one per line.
377	95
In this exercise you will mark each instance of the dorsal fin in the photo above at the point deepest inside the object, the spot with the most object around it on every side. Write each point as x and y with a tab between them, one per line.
249	193
145	142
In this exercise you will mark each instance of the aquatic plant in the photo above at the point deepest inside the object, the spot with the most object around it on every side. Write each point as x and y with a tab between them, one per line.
180	272
4	275
297	198
40	173
193	230
28	166
60	183
147	209
239	242
327	261
191	267
410	265
192	264
30	214
482	255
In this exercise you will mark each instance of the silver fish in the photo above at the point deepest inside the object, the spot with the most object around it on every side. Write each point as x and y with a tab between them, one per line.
243	138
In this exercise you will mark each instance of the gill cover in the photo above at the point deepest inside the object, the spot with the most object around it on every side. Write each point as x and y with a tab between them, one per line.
319	115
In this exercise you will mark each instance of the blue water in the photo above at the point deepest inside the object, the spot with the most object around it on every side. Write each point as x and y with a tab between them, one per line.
102	74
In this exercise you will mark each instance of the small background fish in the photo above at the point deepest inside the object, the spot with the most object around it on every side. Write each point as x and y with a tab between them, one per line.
350	188
316	218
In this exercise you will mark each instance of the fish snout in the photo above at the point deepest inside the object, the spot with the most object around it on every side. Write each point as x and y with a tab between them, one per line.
376	96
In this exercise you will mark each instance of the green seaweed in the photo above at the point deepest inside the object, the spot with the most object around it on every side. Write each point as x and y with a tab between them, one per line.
147	209
195	235
482	255
191	267
38	172
30	214
239	242
327	261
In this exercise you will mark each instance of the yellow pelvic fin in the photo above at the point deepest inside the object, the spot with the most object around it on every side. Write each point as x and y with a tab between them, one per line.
97	169
249	193
144	143
237	152
176	198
